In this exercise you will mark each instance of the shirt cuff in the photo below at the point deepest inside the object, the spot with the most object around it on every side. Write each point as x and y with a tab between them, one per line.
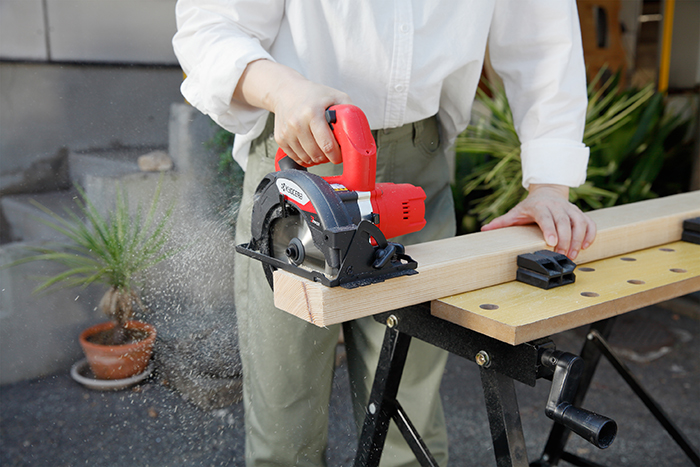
210	86
554	161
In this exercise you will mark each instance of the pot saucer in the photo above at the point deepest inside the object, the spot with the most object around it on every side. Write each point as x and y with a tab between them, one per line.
80	372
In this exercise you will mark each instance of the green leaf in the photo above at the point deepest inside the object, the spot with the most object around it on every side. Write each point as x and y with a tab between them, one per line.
110	249
628	133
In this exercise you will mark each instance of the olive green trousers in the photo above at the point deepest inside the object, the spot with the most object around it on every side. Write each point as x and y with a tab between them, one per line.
288	364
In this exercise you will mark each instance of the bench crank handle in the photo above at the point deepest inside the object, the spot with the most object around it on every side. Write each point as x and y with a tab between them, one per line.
596	429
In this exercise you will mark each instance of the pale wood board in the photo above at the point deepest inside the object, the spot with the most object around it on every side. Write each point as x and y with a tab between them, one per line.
526	313
470	262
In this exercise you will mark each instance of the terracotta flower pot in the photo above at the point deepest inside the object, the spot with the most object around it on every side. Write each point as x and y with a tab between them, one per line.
118	361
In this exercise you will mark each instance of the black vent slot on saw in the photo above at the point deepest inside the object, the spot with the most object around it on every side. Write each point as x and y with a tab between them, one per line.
545	269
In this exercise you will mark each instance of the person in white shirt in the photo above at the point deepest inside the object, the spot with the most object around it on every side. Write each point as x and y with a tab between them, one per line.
413	67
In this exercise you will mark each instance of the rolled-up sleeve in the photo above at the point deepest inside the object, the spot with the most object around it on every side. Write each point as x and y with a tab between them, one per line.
214	43
535	47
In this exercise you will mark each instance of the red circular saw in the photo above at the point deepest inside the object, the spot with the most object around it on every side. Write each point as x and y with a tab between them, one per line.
334	230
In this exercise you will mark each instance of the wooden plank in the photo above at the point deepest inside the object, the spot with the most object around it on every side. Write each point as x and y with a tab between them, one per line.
460	264
515	312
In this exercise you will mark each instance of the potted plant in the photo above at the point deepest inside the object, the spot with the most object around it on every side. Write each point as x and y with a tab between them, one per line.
113	249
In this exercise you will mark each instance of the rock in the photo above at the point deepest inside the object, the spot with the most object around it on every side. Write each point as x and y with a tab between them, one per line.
207	392
156	161
197	354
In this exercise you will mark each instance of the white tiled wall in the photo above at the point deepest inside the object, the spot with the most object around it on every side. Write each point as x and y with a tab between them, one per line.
131	31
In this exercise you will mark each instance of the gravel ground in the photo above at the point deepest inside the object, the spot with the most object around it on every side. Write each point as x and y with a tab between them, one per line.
53	421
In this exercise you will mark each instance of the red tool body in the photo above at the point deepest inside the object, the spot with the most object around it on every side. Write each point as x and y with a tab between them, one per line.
399	207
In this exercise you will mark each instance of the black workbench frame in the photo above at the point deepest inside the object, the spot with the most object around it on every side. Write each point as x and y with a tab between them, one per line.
501	365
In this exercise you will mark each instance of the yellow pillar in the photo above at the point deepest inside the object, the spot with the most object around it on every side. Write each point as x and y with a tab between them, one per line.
667	35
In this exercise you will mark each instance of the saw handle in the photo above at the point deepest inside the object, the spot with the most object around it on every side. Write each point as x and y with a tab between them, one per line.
357	147
286	163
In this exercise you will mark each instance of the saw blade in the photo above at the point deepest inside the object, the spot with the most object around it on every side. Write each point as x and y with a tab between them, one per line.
291	241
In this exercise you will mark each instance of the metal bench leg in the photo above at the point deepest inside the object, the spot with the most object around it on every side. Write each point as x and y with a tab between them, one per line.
655	409
504	419
383	406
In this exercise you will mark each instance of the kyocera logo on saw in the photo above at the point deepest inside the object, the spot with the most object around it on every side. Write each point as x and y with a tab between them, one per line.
292	191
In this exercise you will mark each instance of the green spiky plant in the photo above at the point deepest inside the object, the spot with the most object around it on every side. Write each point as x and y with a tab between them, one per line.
113	250
628	133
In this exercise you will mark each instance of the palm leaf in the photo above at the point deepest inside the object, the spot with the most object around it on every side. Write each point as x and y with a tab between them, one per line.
109	249
625	131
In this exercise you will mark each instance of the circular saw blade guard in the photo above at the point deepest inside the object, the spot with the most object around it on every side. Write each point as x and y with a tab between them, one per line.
325	239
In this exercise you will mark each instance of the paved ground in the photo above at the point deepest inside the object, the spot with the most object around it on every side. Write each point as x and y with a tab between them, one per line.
55	422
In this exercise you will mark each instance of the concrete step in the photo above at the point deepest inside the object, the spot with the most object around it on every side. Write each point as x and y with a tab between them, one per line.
27	221
99	173
111	163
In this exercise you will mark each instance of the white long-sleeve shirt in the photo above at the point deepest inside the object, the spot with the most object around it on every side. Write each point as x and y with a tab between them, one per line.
400	61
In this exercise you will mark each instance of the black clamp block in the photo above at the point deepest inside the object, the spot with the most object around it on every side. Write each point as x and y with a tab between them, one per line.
545	269
691	230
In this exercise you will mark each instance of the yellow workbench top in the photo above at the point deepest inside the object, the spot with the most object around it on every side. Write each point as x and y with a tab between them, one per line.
515	312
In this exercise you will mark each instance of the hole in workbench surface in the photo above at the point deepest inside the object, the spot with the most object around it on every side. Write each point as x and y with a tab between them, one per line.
586	269
488	306
590	294
679	270
627	258
666	249
636	282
